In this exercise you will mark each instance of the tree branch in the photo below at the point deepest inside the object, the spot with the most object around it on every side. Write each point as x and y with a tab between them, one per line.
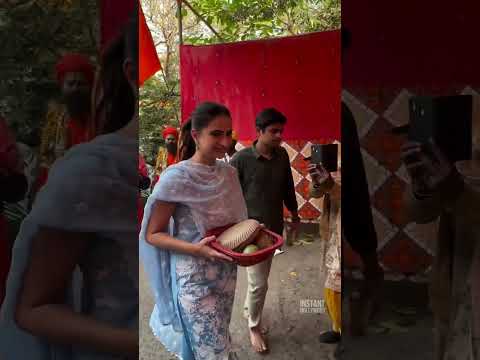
201	18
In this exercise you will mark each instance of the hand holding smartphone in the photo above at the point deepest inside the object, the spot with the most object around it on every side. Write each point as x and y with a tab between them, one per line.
327	155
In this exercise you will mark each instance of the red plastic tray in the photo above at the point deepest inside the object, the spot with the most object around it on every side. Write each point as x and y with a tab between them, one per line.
245	259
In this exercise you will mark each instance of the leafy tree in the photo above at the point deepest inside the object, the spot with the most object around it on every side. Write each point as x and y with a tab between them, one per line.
159	106
253	19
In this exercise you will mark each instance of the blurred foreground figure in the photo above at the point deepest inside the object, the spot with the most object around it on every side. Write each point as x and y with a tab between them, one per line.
84	217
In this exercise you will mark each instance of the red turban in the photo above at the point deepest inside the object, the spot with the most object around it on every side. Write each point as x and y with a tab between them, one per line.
75	63
170	131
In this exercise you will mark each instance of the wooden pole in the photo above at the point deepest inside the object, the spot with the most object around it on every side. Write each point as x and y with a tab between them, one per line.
180	23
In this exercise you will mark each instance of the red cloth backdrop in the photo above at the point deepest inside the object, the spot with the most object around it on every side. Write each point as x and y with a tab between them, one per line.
299	75
400	49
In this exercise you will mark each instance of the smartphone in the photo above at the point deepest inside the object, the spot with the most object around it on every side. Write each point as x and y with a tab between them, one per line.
447	120
327	155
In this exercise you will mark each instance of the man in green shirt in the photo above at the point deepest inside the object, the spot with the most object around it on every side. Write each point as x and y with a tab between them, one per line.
267	183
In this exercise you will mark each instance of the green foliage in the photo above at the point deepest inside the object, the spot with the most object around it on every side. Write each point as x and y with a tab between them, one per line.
33	35
252	19
159	104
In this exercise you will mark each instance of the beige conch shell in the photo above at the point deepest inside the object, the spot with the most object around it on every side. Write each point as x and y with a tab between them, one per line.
240	235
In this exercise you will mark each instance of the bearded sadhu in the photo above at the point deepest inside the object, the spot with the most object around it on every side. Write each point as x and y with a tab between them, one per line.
67	120
166	155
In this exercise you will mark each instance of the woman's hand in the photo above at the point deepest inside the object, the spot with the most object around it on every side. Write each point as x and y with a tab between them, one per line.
318	173
427	171
203	250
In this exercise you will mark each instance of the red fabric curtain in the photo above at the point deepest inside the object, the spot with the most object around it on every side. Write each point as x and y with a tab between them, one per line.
299	75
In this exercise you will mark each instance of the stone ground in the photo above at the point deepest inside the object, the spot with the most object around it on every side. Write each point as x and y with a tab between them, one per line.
293	334
394	336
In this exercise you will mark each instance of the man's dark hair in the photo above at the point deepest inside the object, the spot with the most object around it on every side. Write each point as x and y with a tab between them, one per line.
269	117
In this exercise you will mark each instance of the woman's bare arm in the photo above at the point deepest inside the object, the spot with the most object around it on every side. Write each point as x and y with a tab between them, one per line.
41	309
157	236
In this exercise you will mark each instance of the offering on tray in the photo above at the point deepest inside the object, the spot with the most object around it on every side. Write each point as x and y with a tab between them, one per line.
238	236
250	249
264	240
248	243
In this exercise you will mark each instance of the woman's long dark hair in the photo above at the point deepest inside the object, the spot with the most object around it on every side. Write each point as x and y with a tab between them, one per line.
201	117
117	105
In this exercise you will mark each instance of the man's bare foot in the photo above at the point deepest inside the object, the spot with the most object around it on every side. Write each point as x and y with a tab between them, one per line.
263	328
258	342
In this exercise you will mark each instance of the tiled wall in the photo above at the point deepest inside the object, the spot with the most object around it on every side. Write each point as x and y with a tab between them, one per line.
406	249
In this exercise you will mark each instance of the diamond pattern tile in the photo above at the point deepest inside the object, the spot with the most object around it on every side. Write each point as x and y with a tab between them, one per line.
406	249
376	174
303	188
292	153
388	199
317	203
397	113
385	97
385	146
308	211
300	165
402	173
297	145
364	116
424	235
403	255
307	149
385	230
300	200
297	177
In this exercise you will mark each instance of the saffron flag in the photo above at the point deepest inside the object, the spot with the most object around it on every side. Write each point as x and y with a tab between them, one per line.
149	62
